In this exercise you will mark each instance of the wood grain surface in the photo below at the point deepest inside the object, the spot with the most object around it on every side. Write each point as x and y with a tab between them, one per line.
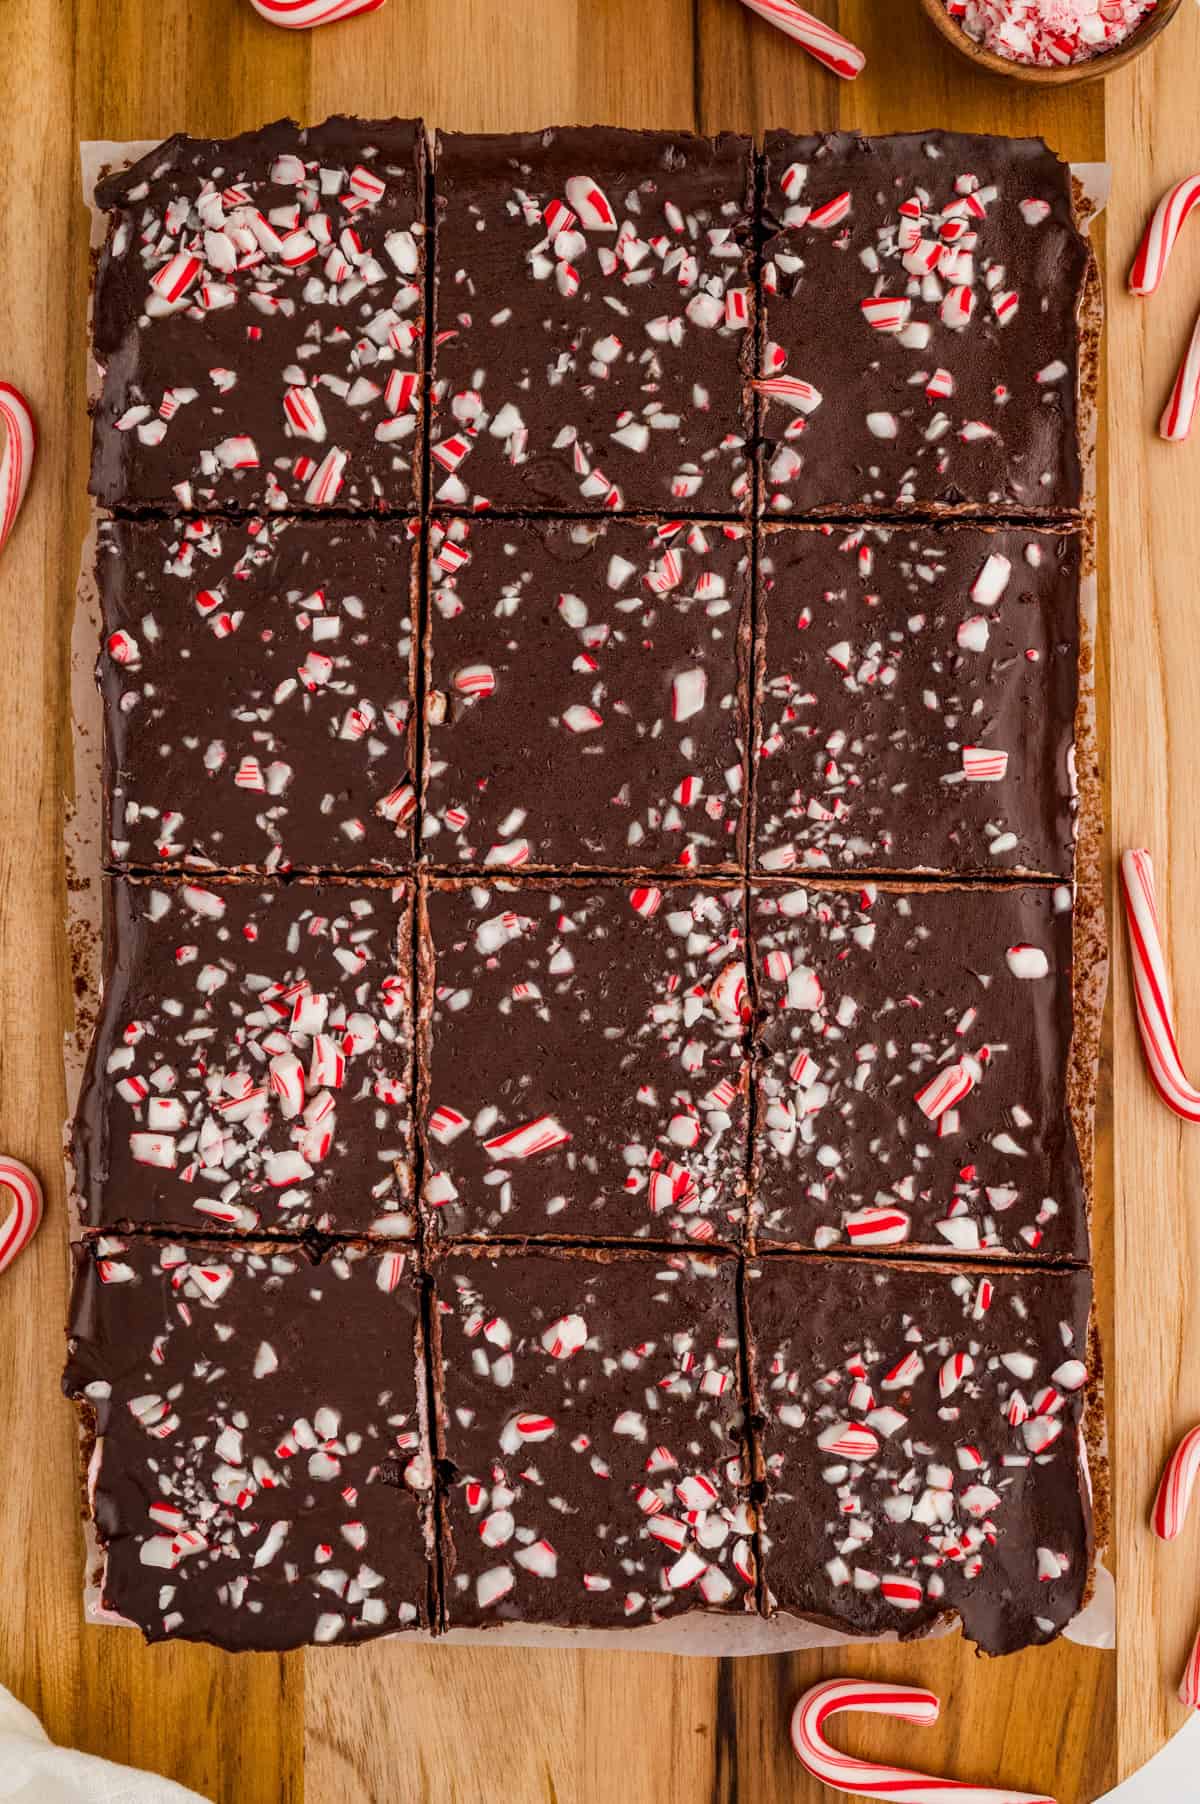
397	1722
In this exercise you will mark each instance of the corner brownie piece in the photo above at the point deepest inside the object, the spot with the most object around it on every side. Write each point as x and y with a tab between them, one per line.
258	321
594	322
253	1063
587	694
260	1473
920	299
914	1075
917	690
258	683
583	1060
922	1433
590	1427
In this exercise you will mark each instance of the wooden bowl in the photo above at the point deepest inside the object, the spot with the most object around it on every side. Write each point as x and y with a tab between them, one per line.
1094	69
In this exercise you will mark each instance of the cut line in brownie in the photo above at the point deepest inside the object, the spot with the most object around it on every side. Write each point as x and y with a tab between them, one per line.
920	338
587	698
252	1068
258	321
589	1428
594	322
917	697
258	679
922	1433
915	1070
583	1060
259	1470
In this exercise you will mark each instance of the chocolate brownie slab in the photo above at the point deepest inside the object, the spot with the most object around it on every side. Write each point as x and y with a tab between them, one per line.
589	1422
258	321
260	1474
258	688
920	345
914	1073
584	1060
587	694
917	689
253	1063
594	324
921	1429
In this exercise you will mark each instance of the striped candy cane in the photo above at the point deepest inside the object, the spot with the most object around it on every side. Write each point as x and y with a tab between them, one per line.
863	1777
1150	264
820	40
298	15
1180	411
16	460
22	1223
1170	1513
1152	989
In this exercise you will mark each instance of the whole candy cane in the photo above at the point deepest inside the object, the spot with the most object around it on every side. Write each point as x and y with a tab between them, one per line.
1150	264
298	15
1152	989
1180	411
820	40
22	1223
16	460
844	1773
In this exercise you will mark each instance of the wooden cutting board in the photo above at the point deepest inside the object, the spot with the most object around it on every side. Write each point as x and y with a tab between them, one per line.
402	1723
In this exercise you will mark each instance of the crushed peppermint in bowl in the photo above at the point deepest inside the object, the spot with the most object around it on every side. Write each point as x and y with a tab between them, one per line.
1051	40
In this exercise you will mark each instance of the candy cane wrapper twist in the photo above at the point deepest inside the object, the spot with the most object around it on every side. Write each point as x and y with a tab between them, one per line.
16	460
863	1777
22	1222
298	15
1152	989
820	40
1150	264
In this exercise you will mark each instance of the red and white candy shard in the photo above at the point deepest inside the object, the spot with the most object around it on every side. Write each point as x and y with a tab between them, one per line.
869	1779
1050	34
16	458
617	1497
593	329
638	1128
306	272
269	1082
21	1189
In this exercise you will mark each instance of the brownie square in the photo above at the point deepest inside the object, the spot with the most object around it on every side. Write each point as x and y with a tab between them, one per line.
917	690
594	322
259	681
584	1060
252	1067
590	1428
915	1084
587	694
260	1473
258	321
920	325
922	1435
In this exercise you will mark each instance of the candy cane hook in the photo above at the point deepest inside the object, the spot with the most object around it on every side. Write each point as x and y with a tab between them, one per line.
844	1773
1150	264
1152	989
22	1221
298	15
1170	1513
16	460
828	46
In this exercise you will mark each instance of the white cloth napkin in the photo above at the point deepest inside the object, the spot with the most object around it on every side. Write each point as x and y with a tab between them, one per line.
34	1771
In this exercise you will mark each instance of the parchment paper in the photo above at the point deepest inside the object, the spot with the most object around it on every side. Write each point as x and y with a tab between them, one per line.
706	1635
